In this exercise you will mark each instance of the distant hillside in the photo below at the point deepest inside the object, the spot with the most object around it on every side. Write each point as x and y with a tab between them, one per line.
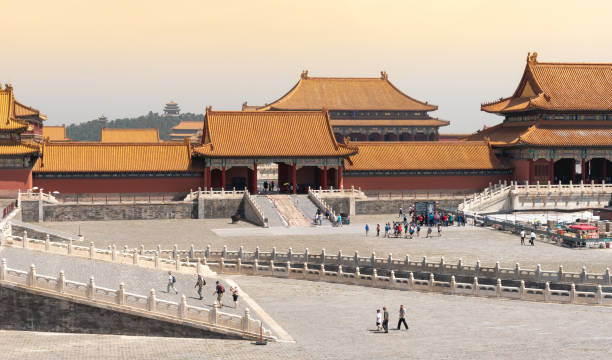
90	130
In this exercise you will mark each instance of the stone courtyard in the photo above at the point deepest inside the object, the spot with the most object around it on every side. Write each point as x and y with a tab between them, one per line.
332	321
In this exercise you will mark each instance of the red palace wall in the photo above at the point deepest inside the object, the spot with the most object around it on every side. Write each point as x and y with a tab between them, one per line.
120	185
13	179
413	183
521	170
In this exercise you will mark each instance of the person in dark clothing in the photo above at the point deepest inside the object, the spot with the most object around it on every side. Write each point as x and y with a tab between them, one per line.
200	282
385	319
402	318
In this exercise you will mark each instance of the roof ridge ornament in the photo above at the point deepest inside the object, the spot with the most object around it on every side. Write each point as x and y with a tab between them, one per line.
304	74
532	58
384	75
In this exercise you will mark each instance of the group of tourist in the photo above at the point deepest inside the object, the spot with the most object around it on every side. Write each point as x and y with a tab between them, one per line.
382	319
411	223
532	237
199	286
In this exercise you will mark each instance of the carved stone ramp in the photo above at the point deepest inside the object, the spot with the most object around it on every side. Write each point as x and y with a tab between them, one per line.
136	283
286	207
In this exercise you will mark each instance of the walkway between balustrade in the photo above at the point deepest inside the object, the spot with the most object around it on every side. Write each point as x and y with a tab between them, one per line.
137	280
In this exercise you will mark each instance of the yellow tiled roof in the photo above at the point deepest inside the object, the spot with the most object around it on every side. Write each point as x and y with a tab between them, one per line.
129	135
315	93
559	87
103	157
8	121
15	148
55	133
269	134
424	155
389	122
189	125
568	133
23	110
503	133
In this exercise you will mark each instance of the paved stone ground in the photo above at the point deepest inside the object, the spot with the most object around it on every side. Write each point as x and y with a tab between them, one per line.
468	243
333	321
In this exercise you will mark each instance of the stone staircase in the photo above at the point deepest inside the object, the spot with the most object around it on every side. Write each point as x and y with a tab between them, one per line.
308	208
266	205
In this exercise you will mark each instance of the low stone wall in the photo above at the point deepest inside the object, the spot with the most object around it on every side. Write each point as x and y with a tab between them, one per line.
219	208
89	212
29	211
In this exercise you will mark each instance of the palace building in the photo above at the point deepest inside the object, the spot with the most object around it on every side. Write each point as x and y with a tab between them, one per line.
129	135
187	129
54	133
172	109
300	142
361	109
557	124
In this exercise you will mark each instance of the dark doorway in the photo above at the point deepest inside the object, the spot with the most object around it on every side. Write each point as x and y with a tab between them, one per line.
564	171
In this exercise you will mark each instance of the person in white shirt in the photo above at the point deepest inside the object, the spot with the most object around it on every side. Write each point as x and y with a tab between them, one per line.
171	281
523	237
532	238
378	320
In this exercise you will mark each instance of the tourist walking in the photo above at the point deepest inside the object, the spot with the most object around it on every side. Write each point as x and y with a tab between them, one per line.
418	229
428	231
219	290
401	211
532	237
200	282
378	320
234	290
377	230
171	282
367	229
402	318
522	236
439	229
385	319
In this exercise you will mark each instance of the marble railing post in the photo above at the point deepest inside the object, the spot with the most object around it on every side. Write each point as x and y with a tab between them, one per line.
583	274
357	274
339	273
475	287
373	259
424	263
306	255
182	309
212	314
459	265
407	260
121	294
477	268
246	319
322	256
273	253
290	254
142	249
522	289
356	259
241	253
47	242
339	257
3	269
224	252
25	239
392	278
497	269
222	264
374	276
135	258
156	259
599	295
151	301
607	276
411	280
322	272
61	282
538	272
255	266
238	265
547	291
175	251
31	280
431	282
177	262
256	252
91	289
113	252
453	284
207	252
271	266
573	293
560	273
159	249
442	265
199	266
191	252
517	271
91	250
69	248
498	288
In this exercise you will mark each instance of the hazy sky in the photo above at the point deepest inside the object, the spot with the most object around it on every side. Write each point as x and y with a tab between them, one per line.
74	60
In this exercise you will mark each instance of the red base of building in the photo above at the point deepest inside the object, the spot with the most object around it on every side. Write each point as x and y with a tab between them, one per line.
416	183
15	179
119	185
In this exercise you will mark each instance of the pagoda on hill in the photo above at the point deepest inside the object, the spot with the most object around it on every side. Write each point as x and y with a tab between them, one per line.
362	109
557	124
172	109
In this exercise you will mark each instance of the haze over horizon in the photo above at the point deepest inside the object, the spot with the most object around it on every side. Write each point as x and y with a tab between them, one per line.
75	60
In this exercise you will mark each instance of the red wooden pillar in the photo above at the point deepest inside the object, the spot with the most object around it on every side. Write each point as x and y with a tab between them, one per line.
340	177
531	171
324	178
254	180
293	178
223	178
551	171
604	171
207	178
583	170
